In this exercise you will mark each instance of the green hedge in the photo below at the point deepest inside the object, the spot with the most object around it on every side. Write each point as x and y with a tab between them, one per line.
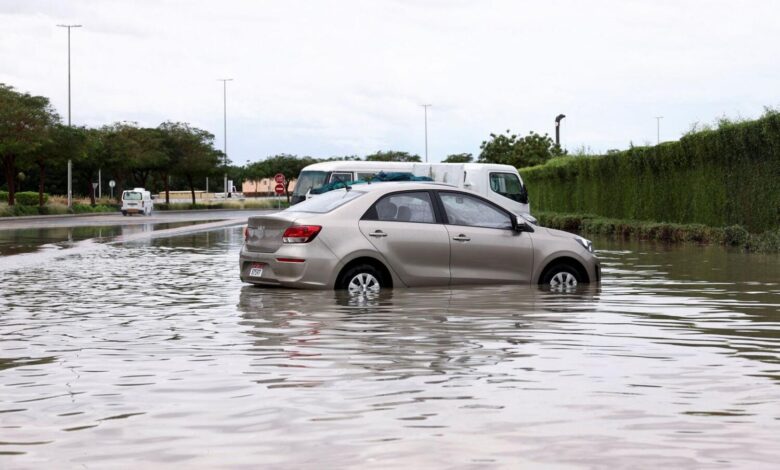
87	208
3	196
733	236
722	177
29	198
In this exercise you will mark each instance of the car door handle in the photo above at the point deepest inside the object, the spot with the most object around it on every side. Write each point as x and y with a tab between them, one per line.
461	238
377	233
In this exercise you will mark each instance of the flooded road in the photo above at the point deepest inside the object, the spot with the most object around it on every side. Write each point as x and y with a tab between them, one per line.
152	353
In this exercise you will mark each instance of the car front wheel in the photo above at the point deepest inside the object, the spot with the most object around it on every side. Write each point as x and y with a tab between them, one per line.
362	279
562	276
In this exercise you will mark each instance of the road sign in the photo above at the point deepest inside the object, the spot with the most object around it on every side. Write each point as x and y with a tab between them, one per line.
112	183
94	185
279	178
279	189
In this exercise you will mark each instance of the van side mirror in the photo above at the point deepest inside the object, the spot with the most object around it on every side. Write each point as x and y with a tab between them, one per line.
523	199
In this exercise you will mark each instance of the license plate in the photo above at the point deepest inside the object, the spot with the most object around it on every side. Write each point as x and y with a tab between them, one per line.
256	270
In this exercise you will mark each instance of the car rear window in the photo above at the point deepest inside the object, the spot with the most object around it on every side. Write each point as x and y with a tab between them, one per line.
133	196
326	202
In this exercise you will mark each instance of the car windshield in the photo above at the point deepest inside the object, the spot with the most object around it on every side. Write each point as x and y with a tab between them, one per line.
132	196
326	202
308	180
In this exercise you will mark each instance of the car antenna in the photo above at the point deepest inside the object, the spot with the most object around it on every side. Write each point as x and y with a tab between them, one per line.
346	186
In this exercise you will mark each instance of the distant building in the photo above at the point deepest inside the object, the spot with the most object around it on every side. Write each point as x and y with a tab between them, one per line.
263	187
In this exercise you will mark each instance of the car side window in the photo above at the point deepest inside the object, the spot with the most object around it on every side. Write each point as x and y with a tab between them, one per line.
467	210
404	207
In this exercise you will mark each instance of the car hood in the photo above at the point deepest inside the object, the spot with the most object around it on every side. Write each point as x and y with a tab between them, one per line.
558	233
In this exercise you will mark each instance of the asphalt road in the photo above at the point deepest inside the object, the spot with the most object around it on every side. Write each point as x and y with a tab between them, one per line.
96	220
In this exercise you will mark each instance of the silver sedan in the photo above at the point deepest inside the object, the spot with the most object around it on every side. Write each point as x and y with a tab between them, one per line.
384	235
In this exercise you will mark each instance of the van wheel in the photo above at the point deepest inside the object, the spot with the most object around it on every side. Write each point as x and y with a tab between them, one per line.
124	213
362	279
561	276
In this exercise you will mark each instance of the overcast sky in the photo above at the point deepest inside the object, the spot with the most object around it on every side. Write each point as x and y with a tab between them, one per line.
325	78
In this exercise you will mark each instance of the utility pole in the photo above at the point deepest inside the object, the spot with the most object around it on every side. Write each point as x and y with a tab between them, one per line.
425	107
658	129
70	163
224	129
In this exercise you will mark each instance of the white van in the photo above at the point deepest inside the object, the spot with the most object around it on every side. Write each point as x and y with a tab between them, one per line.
501	184
137	201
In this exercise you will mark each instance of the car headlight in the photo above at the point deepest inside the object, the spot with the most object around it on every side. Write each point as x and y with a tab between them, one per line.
587	244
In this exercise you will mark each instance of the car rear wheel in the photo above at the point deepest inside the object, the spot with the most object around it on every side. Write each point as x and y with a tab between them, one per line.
562	276
362	279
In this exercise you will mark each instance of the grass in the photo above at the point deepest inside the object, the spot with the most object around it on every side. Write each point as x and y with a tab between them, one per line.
732	236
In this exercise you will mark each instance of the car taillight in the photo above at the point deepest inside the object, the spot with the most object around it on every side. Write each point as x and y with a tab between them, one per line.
301	233
246	233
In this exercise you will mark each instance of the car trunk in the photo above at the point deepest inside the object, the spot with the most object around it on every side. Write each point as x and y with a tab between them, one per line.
264	232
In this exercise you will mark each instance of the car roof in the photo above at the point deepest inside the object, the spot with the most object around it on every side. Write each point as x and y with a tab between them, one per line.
390	186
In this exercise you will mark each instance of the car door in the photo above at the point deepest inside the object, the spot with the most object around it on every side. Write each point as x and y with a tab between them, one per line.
484	248
403	228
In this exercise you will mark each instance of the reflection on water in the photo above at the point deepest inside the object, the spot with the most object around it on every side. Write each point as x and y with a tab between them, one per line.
156	353
28	240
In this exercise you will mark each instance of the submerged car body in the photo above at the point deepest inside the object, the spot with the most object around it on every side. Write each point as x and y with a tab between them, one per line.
408	235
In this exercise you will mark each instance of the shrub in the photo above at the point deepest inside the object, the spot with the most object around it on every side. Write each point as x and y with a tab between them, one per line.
3	196
735	235
29	198
87	208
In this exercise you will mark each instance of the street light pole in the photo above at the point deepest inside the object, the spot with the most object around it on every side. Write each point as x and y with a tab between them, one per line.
70	164
224	123
425	107
558	120
658	129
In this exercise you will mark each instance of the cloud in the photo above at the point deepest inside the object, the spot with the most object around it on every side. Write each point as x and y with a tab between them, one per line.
343	77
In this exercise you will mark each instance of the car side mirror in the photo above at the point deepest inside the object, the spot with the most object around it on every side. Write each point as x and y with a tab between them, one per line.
520	226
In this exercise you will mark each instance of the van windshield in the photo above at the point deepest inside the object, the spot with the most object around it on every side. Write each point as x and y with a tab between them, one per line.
308	180
132	196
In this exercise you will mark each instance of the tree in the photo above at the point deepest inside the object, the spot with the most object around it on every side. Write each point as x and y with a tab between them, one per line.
175	140
353	158
25	121
459	158
198	157
288	165
509	149
64	143
392	156
131	153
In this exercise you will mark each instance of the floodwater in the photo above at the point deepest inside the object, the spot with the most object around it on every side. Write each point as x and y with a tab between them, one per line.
28	240
151	353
